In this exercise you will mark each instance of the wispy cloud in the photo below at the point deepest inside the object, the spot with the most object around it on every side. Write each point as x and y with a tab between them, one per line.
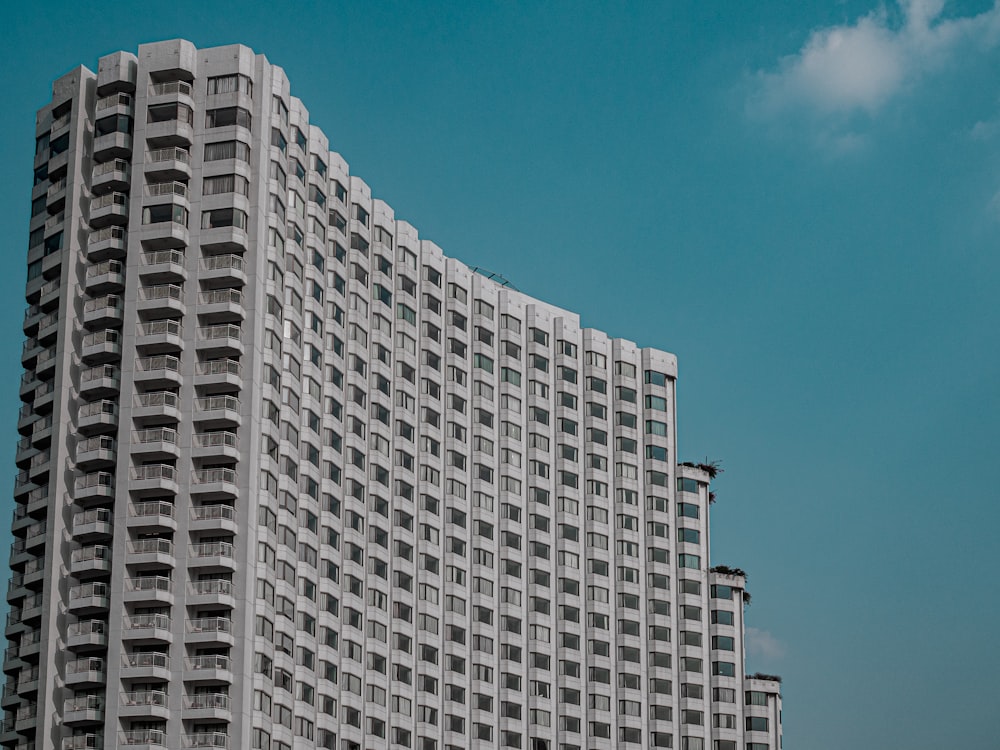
764	645
843	72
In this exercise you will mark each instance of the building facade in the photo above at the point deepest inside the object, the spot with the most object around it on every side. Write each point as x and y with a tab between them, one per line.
290	477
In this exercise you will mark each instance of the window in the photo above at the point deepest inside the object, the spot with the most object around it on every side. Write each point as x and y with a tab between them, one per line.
227	150
226	116
756	724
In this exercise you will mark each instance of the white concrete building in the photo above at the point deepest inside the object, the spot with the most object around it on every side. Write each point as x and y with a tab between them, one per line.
290	477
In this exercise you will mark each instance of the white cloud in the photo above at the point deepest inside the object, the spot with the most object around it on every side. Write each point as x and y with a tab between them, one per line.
844	71
761	643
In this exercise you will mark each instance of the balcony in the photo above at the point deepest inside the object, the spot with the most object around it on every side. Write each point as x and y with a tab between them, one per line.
30	645
39	465
90	560
211	630
103	312
207	740
109	209
217	412
112	146
87	741
49	294
207	707
149	590
48	328
101	346
162	266
214	517
45	363
143	739
83	709
96	523
102	381
96	452
97	416
137	704
164	225
159	336
212	555
221	306
210	668
111	175
88	671
218	375
87	634
156	408
55	196
94	487
161	300
150	553
145	665
34	535
214	484
155	442
216	445
220	340
222	270
116	103
26	718
169	164
152	516
106	276
148	628
27	681
144	703
89	598
110	242
153	480
217	592
178	133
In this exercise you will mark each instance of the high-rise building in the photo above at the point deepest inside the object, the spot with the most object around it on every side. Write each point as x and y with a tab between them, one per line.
290	477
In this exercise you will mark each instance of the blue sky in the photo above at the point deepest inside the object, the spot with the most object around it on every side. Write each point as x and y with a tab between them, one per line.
801	200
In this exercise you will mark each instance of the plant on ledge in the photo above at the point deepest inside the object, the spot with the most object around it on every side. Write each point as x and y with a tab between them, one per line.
762	676
712	468
727	571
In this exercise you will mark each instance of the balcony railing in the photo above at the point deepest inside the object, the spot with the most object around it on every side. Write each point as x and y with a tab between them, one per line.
160	291
219	367
209	700
108	233
154	471
89	664
153	508
155	434
144	698
146	659
215	439
211	625
114	100
212	549
216	587
223	331
84	703
214	512
221	297
113	165
157	398
87	627
147	622
104	267
151	546
96	408
170	87
222	262
160	328
87	590
169	154
208	476
213	403
208	661
94	552
166	188
143	737
148	583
